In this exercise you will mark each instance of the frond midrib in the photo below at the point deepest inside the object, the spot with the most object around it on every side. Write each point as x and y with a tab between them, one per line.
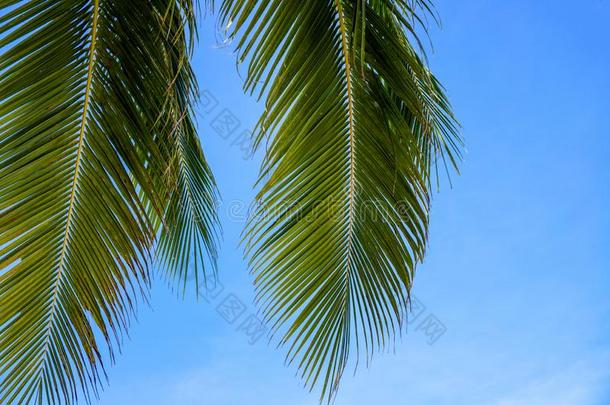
352	151
81	137
351	179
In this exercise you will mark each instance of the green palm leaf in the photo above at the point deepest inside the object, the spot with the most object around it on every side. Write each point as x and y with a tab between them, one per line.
97	154
189	237
188	243
355	122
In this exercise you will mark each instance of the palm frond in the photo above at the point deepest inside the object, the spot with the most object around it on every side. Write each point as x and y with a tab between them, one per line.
355	122
90	95
187	246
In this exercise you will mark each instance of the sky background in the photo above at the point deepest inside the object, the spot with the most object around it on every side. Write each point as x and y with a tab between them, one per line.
517	267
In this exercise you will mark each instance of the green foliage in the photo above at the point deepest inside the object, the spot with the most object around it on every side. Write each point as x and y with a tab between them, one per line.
355	121
98	160
102	174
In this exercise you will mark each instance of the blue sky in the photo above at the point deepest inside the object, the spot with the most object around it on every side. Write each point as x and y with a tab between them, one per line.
517	269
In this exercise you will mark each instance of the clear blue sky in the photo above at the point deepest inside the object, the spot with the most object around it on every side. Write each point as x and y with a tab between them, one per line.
517	269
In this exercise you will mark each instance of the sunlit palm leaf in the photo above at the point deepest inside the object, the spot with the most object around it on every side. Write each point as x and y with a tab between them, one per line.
93	100
188	242
355	121
187	246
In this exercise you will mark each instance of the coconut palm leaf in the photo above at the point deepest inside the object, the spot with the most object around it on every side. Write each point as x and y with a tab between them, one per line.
354	122
95	109
187	247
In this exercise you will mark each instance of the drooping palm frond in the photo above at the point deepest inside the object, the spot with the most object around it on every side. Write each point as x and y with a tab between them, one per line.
355	121
95	105
188	241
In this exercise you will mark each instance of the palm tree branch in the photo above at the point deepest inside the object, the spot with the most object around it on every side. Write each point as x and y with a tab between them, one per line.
351	159
79	151
343	199
90	91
